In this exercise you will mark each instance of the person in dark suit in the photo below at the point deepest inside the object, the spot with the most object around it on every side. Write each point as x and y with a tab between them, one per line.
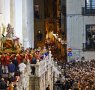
11	69
3	84
14	61
33	61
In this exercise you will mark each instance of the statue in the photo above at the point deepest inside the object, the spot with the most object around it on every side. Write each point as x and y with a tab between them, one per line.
8	40
9	31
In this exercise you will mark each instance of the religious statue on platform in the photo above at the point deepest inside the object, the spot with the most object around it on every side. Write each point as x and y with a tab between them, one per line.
8	40
9	31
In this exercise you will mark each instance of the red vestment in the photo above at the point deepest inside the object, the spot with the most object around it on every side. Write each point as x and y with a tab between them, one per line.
3	59
19	58
7	60
37	55
12	56
28	57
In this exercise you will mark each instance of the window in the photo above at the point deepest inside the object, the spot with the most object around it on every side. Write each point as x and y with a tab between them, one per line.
90	37
90	4
89	8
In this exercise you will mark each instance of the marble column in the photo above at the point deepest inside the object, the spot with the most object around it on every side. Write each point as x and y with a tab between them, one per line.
0	12
12	12
24	24
18	19
30	23
0	6
7	11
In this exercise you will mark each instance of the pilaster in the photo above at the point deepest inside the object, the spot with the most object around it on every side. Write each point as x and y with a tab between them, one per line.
18	19
30	22
12	12
7	11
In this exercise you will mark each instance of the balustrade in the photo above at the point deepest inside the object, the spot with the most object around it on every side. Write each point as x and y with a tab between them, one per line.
42	67
23	83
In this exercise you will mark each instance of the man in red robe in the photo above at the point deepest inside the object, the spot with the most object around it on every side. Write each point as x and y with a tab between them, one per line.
3	59
19	58
7	59
28	57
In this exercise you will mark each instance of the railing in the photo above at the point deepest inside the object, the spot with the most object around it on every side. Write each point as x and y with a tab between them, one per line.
56	68
88	11
42	66
90	47
23	83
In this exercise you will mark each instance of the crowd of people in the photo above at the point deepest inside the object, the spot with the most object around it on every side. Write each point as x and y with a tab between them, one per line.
79	75
11	63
